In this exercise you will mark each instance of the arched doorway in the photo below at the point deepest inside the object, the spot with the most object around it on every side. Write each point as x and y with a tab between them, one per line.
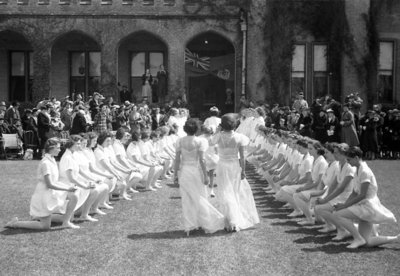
75	65
210	73
136	53
16	68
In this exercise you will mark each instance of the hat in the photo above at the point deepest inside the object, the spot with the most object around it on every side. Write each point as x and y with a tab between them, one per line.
2	104
115	106
214	108
127	103
329	110
49	105
34	110
28	111
395	110
301	93
96	94
1	116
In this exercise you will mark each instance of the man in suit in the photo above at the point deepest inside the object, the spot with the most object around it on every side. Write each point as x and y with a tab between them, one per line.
79	122
157	119
44	121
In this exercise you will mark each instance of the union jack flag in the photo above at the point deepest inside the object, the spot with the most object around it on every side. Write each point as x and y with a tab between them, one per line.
196	61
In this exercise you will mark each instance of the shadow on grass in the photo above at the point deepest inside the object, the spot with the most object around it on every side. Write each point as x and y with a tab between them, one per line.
14	231
314	239
175	197
341	248
172	185
286	223
177	234
276	216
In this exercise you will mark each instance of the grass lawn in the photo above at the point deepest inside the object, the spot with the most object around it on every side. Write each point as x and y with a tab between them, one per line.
144	237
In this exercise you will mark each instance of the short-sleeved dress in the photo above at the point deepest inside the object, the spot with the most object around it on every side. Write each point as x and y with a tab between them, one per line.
211	155
346	170
197	210
45	201
68	162
134	150
369	209
235	198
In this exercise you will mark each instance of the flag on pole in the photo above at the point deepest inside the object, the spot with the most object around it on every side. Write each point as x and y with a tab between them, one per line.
196	60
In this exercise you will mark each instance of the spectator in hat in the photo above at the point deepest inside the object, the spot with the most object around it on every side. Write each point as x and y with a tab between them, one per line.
124	94
13	118
157	119
78	100
213	121
94	105
100	120
369	136
305	122
79	123
332	127
44	122
348	131
300	103
319	126
66	115
3	127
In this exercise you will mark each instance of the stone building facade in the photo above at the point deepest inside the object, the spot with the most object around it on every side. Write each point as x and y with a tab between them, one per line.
63	47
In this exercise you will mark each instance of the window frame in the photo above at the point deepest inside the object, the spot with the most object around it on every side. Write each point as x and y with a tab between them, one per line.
394	64
300	43
27	74
320	43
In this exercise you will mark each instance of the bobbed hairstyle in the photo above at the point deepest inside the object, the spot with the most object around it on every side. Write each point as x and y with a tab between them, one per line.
353	152
228	122
145	134
73	139
135	136
103	136
120	133
191	127
207	129
164	130
51	144
154	134
330	147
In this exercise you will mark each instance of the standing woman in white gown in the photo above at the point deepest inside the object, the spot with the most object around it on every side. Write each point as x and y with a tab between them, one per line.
234	194
191	173
50	196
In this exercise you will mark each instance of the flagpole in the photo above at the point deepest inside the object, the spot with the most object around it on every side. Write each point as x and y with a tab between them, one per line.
243	27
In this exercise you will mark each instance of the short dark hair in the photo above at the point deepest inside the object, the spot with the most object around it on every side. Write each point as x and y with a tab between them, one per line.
353	152
51	144
73	139
145	134
330	147
191	127
228	122
164	130
154	134
302	144
103	136
120	133
214	112
135	135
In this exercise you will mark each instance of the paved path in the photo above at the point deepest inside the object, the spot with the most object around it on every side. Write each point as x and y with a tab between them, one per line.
144	237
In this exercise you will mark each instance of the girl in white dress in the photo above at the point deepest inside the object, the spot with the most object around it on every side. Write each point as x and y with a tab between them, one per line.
103	161
50	195
363	206
69	174
213	121
234	194
107	177
191	173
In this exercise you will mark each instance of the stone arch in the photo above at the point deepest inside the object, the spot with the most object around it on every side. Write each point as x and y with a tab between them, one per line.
214	83
67	77
138	51
16	73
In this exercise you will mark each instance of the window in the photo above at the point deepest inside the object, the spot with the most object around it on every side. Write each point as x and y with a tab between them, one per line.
140	61
22	2
320	70
385	72
148	2
43	2
127	2
21	76
106	2
3	2
85	72
65	2
85	2
298	73
169	2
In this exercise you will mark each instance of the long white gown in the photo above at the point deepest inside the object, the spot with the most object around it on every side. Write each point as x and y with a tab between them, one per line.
234	195
197	210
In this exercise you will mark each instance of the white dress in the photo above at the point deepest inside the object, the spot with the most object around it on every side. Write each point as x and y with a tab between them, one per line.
235	198
197	210
369	209
68	162
45	201
211	156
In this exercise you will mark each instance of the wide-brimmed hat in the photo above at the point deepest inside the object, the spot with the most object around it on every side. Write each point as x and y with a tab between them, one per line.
2	103
214	108
329	110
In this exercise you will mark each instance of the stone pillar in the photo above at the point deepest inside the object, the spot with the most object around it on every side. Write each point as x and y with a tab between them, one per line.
353	71
41	70
109	59
176	69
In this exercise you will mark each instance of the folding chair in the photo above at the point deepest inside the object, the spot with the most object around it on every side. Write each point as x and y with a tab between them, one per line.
12	142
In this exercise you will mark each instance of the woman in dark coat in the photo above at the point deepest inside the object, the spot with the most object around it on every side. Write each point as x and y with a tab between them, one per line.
349	133
79	122
320	126
305	122
369	136
332	127
162	87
